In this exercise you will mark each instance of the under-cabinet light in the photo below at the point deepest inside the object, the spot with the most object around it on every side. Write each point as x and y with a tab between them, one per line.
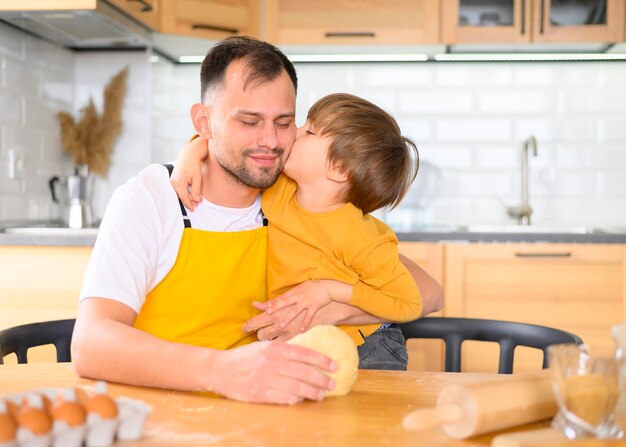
191	59
514	57
391	57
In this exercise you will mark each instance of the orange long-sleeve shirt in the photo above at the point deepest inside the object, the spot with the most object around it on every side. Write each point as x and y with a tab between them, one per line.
343	245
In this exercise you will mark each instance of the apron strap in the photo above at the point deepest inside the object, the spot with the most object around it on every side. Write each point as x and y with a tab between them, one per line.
186	220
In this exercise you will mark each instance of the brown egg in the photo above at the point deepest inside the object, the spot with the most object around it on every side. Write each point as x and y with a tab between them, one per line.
35	419
71	412
12	408
101	404
7	428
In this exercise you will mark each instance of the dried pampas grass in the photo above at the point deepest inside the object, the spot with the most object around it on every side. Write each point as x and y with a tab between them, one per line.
90	141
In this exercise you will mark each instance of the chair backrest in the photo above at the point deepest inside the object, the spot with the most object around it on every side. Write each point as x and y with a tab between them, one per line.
17	340
507	334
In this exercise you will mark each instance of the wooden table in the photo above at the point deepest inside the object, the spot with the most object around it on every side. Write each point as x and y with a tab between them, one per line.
370	415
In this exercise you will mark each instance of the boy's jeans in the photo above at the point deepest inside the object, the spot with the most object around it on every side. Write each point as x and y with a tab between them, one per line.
384	349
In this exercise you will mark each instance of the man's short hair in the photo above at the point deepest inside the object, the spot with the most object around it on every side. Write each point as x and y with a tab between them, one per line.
264	62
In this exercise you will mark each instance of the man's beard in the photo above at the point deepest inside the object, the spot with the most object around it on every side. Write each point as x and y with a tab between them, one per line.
261	178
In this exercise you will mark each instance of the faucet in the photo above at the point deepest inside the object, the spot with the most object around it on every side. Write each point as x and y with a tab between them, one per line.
523	212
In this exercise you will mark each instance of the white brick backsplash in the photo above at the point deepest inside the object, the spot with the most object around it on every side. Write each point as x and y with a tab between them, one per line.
536	75
471	75
497	157
578	74
318	75
606	156
542	128
610	76
612	129
420	130
473	129
568	184
575	129
439	102
17	78
397	75
40	114
11	41
612	184
11	110
608	101
447	157
481	183
509	102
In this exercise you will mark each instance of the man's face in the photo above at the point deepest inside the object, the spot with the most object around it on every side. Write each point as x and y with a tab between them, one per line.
252	130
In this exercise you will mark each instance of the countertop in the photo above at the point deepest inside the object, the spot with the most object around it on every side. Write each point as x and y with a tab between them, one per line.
56	236
87	237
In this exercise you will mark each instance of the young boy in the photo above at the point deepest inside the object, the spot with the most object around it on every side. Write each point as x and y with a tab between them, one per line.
348	160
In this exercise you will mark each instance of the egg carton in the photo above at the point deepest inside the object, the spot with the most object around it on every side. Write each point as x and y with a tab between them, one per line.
120	419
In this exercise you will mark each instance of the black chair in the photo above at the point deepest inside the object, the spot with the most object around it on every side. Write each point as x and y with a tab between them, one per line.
507	334
18	339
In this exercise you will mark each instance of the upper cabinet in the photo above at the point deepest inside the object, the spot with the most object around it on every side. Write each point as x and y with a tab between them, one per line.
209	19
526	21
351	22
147	12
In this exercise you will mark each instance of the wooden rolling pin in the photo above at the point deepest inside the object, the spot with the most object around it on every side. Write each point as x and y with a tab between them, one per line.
469	410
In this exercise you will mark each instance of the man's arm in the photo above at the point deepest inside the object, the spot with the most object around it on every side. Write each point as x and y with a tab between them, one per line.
268	328
106	346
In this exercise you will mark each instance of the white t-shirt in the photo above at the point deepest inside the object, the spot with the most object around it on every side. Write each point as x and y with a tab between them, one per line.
140	234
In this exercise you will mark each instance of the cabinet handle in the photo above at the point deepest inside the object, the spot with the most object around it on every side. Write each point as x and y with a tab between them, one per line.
348	34
523	17
213	28
147	7
541	26
564	254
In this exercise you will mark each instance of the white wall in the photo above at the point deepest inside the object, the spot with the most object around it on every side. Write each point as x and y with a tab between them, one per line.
470	120
37	80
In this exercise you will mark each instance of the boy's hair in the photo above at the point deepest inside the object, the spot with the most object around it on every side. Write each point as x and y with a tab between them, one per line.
264	62
367	144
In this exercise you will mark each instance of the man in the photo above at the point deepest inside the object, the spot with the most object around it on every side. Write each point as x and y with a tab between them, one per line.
167	291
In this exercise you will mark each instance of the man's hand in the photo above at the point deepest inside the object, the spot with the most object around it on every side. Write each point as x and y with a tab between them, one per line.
273	372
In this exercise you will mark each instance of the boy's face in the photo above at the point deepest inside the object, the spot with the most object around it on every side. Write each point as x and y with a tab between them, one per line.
308	160
252	128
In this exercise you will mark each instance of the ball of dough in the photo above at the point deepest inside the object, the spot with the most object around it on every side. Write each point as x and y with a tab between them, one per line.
336	344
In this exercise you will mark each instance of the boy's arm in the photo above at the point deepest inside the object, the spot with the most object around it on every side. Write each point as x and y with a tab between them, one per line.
187	172
386	287
268	328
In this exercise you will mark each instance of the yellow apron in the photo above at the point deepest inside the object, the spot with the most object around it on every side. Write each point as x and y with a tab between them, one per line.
207	296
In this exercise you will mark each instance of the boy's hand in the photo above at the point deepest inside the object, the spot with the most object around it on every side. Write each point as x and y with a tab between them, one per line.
187	172
308	297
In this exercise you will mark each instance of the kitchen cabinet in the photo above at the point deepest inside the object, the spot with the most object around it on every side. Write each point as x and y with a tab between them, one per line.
426	355
351	22
526	21
147	12
39	283
210	19
576	287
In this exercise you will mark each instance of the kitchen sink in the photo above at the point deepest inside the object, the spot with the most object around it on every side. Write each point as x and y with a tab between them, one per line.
557	229
522	229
